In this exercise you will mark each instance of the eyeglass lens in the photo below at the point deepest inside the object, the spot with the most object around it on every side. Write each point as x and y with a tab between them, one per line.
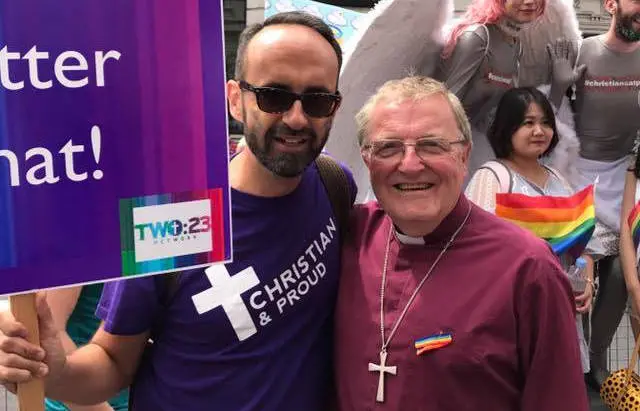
423	148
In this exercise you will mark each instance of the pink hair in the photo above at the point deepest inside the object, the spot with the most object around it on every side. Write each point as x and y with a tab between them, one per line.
478	12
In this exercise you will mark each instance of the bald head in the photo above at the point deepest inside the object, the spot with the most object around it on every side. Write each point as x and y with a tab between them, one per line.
286	21
284	47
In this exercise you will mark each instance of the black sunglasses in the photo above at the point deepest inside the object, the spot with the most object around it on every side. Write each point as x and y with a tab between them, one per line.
277	101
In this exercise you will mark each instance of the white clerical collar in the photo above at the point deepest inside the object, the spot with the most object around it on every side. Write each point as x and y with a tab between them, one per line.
408	240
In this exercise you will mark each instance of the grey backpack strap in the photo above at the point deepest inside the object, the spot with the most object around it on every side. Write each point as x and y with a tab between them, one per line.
338	190
502	174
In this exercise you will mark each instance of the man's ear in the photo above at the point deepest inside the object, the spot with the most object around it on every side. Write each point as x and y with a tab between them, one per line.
234	96
464	156
366	156
466	153
611	6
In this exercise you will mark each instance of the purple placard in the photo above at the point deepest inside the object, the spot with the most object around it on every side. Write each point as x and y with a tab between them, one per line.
113	140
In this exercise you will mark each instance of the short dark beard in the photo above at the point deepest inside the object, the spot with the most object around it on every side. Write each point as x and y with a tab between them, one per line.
286	165
624	28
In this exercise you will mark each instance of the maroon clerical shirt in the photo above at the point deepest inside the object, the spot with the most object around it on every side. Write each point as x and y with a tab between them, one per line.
499	292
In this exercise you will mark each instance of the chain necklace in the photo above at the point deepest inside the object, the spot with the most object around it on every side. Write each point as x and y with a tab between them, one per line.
382	368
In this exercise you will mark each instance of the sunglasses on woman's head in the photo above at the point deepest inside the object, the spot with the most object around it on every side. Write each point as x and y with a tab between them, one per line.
277	101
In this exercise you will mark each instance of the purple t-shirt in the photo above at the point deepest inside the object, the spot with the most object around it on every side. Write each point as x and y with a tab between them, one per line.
254	334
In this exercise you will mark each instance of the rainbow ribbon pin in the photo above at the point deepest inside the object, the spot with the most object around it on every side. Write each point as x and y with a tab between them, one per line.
432	343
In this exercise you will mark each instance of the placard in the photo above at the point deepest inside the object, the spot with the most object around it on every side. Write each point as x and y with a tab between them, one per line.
113	140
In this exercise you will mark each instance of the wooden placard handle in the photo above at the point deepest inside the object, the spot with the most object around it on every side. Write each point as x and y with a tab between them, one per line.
23	307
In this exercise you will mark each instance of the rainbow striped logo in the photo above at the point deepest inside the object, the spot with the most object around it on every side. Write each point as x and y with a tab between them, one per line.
432	343
566	223
167	232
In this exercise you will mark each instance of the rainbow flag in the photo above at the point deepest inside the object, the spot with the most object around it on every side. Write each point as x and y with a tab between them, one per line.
432	343
566	223
634	225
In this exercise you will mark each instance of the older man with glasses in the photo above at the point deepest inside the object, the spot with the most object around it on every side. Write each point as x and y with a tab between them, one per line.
443	306
254	334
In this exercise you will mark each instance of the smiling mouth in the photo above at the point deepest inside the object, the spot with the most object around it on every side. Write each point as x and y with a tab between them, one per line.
413	187
291	141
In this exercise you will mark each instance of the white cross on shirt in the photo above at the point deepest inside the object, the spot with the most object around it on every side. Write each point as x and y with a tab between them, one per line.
226	291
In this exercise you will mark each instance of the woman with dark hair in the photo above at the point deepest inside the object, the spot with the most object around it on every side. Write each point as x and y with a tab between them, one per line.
521	135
